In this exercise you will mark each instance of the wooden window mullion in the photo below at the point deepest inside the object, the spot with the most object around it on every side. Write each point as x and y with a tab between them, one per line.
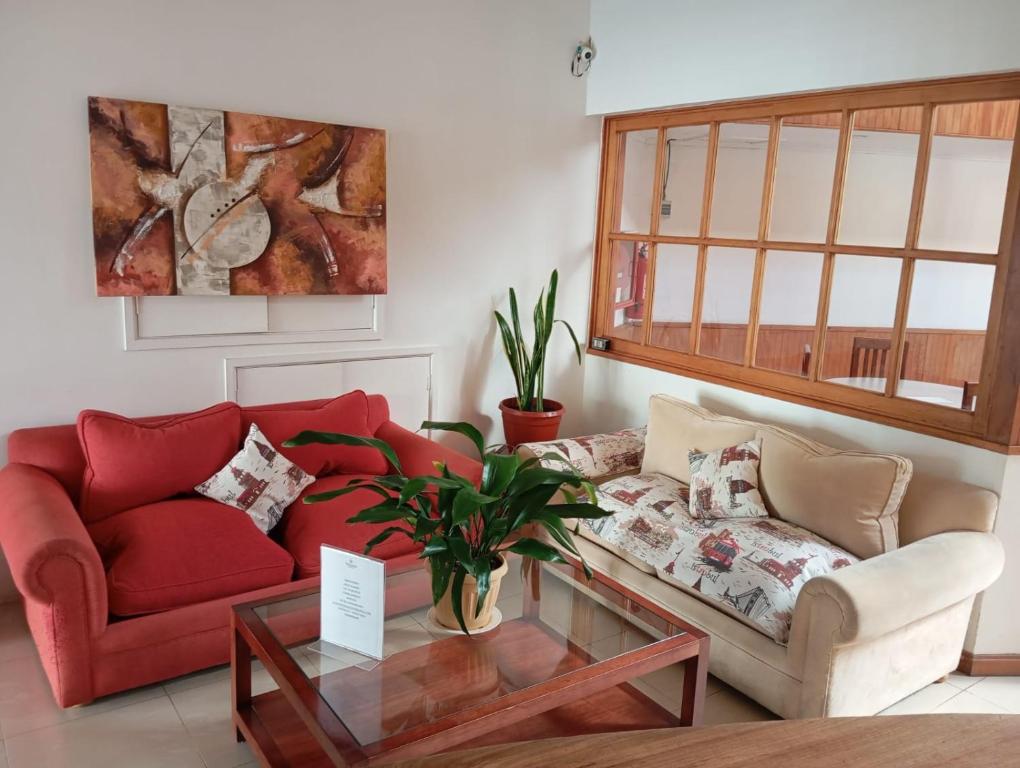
892	375
763	228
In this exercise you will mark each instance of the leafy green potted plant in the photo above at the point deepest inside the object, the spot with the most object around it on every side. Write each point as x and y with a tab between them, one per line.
530	416
467	530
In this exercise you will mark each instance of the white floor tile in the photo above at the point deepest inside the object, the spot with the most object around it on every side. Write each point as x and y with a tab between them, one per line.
924	701
1004	691
961	681
205	712
148	733
15	639
730	706
27	703
967	703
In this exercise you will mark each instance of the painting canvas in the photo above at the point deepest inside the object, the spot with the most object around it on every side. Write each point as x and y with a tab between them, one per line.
189	201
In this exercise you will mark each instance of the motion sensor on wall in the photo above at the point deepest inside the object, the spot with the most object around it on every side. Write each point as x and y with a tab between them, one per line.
581	62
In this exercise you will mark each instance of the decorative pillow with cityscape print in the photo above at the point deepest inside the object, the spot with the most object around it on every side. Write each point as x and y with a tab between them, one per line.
258	480
724	483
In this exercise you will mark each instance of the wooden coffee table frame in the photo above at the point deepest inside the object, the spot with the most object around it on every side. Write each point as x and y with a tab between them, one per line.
271	722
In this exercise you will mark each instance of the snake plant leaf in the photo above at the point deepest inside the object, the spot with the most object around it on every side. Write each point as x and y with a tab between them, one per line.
573	336
461	428
310	436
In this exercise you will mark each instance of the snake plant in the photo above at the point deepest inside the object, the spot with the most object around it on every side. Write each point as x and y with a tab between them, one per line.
529	368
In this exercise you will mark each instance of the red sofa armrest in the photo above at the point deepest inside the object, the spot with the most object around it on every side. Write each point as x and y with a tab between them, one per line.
417	453
52	559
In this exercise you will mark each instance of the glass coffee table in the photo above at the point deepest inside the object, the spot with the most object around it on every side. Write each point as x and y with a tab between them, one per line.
570	657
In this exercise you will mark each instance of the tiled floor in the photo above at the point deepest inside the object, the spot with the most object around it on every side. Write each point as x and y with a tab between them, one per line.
186	722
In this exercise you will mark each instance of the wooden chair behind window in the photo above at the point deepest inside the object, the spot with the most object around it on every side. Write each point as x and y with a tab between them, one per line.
969	393
869	357
805	361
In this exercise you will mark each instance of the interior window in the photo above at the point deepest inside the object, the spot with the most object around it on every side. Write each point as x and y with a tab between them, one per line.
683	182
862	310
739	177
729	279
968	170
789	311
880	176
802	189
945	340
676	274
630	267
637	160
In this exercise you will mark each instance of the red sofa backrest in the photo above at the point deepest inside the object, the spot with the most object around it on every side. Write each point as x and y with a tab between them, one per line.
56	450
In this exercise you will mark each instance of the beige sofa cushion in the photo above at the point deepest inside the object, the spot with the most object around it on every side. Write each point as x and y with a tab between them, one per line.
675	428
850	498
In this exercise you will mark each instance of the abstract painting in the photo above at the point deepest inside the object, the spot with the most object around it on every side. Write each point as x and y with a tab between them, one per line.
189	201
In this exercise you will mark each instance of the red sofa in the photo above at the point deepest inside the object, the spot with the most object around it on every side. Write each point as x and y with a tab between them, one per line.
68	593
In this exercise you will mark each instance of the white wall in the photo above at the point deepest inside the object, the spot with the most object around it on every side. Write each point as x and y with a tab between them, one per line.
654	53
492	178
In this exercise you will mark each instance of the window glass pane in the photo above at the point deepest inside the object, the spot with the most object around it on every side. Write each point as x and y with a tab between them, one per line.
676	272
802	189
739	176
634	209
946	323
880	177
726	304
862	311
683	188
967	175
630	265
789	306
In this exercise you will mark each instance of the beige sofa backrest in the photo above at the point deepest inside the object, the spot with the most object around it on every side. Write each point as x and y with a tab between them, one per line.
851	498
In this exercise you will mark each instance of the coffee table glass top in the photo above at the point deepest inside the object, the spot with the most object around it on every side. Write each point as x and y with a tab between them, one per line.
557	628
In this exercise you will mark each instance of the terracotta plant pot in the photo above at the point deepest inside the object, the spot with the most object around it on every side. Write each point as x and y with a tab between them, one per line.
530	426
469	598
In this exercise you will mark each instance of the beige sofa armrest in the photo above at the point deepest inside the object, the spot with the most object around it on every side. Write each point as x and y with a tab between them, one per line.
884	593
596	457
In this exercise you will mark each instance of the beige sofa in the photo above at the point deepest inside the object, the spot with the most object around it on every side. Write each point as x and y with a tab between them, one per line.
862	637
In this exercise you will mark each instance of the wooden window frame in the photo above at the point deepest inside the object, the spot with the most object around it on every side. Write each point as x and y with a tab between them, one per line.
994	424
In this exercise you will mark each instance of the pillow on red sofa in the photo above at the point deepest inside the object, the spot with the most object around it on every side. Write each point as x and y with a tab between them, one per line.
347	413
132	462
184	551
305	527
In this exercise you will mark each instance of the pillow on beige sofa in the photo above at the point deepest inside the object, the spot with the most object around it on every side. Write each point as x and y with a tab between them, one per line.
850	498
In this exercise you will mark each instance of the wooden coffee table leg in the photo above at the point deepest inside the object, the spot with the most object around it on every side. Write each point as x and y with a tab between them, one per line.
695	680
240	668
532	595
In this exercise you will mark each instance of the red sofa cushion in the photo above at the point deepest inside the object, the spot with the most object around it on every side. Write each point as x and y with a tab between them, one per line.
307	526
184	551
347	413
131	462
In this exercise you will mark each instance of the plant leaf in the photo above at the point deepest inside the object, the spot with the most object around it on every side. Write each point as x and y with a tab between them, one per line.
460	549
317	498
510	349
457	594
460	427
573	336
412	488
483	571
435	546
441	569
498	470
588	511
386	512
376	540
336	438
537	549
